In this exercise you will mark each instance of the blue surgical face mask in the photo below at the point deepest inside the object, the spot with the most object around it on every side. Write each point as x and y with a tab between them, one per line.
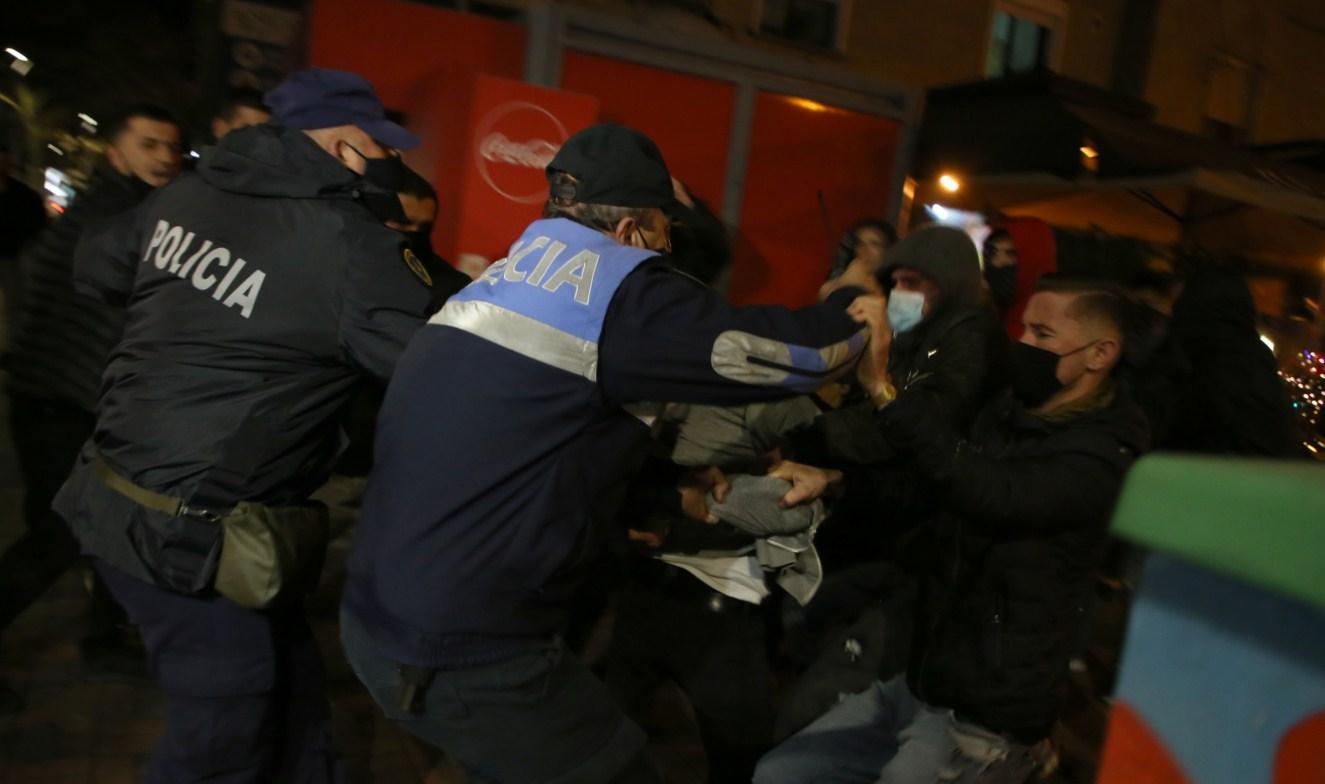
905	310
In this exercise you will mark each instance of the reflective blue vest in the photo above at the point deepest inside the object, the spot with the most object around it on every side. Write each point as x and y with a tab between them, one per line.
547	299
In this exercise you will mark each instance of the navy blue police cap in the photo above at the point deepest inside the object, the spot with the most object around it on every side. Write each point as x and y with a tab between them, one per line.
325	98
613	165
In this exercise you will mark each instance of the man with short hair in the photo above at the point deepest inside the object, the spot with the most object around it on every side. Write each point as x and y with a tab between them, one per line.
1005	566
145	144
1016	253
243	107
477	529
260	289
61	343
418	198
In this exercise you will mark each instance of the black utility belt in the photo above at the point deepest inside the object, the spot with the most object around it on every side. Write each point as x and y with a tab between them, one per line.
268	553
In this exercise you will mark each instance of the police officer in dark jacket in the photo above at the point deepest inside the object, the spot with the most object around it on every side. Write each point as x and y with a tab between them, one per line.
477	529
1004	568
259	289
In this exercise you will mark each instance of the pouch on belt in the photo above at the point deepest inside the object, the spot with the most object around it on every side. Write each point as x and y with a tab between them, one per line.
271	551
267	552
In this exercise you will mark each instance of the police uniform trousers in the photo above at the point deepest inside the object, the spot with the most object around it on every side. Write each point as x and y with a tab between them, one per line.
671	627
537	715
244	688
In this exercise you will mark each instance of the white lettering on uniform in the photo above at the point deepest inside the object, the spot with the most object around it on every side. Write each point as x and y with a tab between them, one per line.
550	255
201	280
228	279
511	273
188	265
578	271
167	247
170	244
494	271
246	296
183	248
157	234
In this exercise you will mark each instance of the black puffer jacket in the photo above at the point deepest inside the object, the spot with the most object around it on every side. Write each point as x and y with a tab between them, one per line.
1005	567
63	337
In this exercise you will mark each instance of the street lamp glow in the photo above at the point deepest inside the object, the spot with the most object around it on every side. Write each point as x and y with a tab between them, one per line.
17	55
950	183
87	118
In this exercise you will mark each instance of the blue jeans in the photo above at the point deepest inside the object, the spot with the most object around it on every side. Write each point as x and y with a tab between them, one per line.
540	716
884	735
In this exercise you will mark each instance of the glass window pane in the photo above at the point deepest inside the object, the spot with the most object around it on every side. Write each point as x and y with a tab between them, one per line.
996	62
1026	46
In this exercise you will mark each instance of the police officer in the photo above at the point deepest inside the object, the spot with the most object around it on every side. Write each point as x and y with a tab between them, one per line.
259	289
477	528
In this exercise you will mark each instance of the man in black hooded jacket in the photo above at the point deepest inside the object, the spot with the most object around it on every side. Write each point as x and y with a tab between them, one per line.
948	349
259	290
1005	564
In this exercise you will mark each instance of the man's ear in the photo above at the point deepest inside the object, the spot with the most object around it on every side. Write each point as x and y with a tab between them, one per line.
1104	354
219	127
347	156
116	159
625	230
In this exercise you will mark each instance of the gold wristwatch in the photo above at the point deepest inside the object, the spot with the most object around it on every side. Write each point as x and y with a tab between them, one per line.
884	395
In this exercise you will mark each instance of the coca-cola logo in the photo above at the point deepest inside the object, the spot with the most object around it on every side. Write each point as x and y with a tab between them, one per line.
516	141
536	154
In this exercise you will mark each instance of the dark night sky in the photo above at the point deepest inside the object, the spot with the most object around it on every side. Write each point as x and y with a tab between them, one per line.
97	55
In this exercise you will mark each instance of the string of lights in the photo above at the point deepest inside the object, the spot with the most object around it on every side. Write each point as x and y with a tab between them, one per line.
1306	390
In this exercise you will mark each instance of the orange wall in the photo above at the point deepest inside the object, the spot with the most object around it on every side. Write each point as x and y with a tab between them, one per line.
395	44
425	61
799	148
422	62
688	116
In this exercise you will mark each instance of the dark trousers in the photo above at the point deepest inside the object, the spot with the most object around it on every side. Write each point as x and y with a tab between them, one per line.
244	701
675	628
47	436
539	716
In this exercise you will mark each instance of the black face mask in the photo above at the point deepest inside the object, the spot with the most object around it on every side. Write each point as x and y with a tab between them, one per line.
420	241
1035	373
384	205
389	173
1002	284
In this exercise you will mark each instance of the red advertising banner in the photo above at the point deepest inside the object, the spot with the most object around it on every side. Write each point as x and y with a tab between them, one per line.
514	130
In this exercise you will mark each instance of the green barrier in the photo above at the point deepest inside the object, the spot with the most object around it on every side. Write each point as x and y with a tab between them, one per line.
1262	521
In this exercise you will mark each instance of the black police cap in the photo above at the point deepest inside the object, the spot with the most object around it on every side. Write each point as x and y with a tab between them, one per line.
614	165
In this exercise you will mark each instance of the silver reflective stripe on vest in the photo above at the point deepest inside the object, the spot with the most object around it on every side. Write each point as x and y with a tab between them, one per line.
523	335
751	359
